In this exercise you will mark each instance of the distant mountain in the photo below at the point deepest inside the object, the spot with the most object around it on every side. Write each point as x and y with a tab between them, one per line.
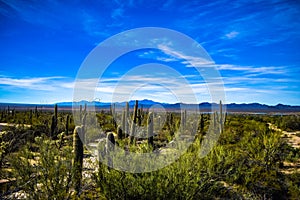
203	107
256	107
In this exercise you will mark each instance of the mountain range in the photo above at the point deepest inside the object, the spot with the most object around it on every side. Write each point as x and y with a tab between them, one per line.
203	107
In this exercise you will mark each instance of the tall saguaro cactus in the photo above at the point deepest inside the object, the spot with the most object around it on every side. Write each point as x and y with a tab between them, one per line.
36	112
171	123
134	121
55	111
120	132
158	123
77	161
123	119
54	122
201	124
67	125
110	146
82	120
221	117
150	129
183	121
127	119
30	115
215	125
80	112
139	117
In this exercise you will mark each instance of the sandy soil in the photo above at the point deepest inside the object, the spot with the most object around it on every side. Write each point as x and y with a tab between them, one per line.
292	139
2	125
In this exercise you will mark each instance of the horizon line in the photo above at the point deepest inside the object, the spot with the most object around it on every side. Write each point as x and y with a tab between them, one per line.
86	101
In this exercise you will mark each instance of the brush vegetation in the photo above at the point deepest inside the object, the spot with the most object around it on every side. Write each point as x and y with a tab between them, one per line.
42	156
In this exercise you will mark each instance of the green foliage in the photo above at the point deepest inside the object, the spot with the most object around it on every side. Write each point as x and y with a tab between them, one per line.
293	182
248	161
44	174
286	122
184	179
13	138
3	148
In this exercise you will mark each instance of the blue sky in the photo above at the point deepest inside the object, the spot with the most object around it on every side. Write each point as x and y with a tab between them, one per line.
254	44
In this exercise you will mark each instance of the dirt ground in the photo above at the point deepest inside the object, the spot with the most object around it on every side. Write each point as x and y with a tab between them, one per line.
292	139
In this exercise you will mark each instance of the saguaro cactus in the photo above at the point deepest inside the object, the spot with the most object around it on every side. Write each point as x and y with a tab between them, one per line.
110	142
150	129
112	111
158	123
30	116
55	111
61	136
80	112
110	146
123	127
120	132
83	118
171	123
215	125
67	125
54	122
101	168
201	124
221	117
36	112
183	121
77	161
127	119
134	121
53	126
139	117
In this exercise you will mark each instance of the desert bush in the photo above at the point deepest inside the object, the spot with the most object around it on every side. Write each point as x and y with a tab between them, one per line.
45	174
246	162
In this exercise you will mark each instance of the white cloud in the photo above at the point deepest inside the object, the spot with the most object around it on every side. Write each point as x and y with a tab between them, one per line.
232	34
147	86
155	86
195	61
37	83
158	56
252	69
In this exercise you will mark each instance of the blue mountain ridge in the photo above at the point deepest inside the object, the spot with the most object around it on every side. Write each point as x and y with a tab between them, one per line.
146	103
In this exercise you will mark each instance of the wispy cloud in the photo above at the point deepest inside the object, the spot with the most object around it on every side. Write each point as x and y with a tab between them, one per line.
139	86
188	60
158	88
257	41
231	35
39	83
35	89
253	69
117	13
158	56
168	54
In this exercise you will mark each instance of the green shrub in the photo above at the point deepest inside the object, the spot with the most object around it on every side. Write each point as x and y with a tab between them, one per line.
45	174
